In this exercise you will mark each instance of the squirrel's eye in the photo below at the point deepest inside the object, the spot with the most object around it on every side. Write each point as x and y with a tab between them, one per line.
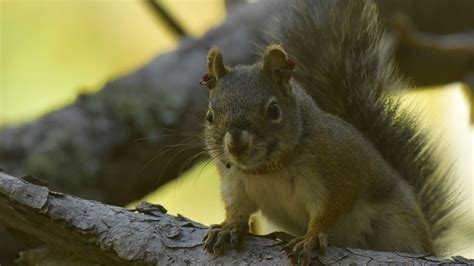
209	117
273	112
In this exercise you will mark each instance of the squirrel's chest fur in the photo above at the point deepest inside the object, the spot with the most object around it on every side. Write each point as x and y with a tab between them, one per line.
287	197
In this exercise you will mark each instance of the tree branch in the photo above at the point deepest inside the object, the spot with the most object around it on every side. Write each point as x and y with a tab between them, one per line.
456	43
78	230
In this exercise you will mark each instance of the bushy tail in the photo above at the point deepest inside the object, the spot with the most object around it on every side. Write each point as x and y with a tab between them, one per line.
341	62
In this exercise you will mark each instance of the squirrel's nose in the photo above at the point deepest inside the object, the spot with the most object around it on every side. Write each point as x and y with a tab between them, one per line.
237	141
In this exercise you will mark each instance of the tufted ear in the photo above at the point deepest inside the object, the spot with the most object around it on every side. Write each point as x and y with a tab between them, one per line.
215	68
276	63
215	63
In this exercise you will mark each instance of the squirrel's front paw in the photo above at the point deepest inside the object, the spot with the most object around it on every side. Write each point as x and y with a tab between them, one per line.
299	249
219	235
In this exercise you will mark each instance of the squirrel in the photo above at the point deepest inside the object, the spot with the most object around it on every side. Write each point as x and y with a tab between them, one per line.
319	144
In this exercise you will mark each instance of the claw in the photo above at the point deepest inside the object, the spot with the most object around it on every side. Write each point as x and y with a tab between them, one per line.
323	243
299	249
218	235
293	259
303	257
222	237
289	247
235	237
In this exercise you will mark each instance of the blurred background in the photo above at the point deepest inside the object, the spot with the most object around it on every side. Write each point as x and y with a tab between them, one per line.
54	50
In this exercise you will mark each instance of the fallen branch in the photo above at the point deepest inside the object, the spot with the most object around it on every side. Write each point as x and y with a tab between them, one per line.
71	229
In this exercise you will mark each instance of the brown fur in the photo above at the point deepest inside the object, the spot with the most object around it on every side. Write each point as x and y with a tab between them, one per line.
337	183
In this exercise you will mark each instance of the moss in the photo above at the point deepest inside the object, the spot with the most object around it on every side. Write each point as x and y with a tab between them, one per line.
68	166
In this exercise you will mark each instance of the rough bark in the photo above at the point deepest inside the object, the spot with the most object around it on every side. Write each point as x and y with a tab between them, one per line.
70	230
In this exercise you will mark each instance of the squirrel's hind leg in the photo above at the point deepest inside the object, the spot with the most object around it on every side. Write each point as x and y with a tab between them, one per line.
400	226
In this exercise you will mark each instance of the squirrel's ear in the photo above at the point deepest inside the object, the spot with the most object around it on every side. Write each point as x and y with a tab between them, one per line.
276	62
215	63
215	68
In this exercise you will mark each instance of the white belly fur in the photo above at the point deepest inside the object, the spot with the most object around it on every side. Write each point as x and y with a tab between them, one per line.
286	199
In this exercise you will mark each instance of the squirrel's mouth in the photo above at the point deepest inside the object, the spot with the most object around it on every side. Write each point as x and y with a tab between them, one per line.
261	168
255	157
274	160
251	159
256	163
243	162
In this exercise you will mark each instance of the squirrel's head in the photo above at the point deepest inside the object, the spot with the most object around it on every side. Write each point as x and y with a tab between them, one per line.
253	121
